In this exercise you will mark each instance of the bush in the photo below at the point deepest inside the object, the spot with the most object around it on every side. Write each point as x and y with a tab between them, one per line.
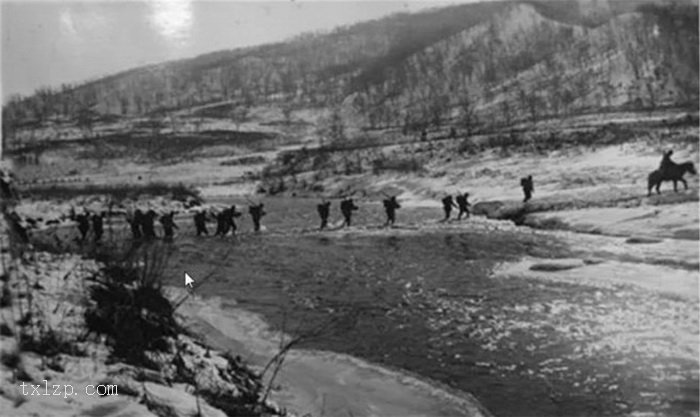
130	307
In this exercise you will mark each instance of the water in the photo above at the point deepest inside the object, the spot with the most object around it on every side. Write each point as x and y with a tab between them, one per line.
425	303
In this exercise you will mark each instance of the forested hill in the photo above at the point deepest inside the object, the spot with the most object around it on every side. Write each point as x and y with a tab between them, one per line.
497	61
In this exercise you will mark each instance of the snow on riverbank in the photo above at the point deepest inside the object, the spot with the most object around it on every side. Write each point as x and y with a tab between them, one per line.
45	339
325	382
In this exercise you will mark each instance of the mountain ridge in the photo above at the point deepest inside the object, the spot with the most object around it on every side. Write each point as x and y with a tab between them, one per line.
384	67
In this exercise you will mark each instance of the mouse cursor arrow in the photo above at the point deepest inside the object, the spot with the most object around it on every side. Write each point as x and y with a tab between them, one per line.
188	280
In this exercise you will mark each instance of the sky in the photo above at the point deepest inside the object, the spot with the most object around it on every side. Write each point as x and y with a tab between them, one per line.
47	43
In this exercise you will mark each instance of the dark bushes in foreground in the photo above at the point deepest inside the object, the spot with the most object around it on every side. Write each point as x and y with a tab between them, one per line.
130	308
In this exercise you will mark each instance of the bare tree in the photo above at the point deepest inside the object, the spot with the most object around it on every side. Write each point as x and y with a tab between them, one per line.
467	116
85	121
333	128
287	112
239	114
506	112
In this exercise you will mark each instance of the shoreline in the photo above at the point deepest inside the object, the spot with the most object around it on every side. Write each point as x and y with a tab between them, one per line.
350	384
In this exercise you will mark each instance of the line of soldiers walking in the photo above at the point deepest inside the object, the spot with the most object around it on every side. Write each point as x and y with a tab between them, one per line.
225	220
85	220
143	224
462	203
348	207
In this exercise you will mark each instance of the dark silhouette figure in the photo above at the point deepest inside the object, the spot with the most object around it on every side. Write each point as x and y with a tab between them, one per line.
225	221
147	225
463	204
233	214
168	223
135	224
347	206
7	191
256	213
673	172
83	224
98	226
447	204
390	206
16	226
528	187
324	211
666	161
222	226
200	223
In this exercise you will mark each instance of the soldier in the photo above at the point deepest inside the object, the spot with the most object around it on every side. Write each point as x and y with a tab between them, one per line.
347	206
666	161
16	226
97	226
147	226
256	212
168	224
226	221
447	204
7	192
83	224
324	211
200	222
233	215
463	203
528	187
222	226
390	206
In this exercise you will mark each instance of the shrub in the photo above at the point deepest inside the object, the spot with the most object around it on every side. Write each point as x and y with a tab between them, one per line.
130	307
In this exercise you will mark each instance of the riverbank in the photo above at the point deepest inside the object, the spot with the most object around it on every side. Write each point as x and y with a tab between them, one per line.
80	337
324	383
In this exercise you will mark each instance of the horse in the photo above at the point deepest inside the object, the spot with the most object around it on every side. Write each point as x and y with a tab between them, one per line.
673	172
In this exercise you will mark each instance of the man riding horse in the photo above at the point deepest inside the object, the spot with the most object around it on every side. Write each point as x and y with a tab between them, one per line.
669	171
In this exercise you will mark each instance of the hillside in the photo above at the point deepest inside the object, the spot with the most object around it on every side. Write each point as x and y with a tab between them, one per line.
475	66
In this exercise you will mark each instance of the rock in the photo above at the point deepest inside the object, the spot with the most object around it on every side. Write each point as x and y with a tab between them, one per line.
486	208
557	265
642	240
